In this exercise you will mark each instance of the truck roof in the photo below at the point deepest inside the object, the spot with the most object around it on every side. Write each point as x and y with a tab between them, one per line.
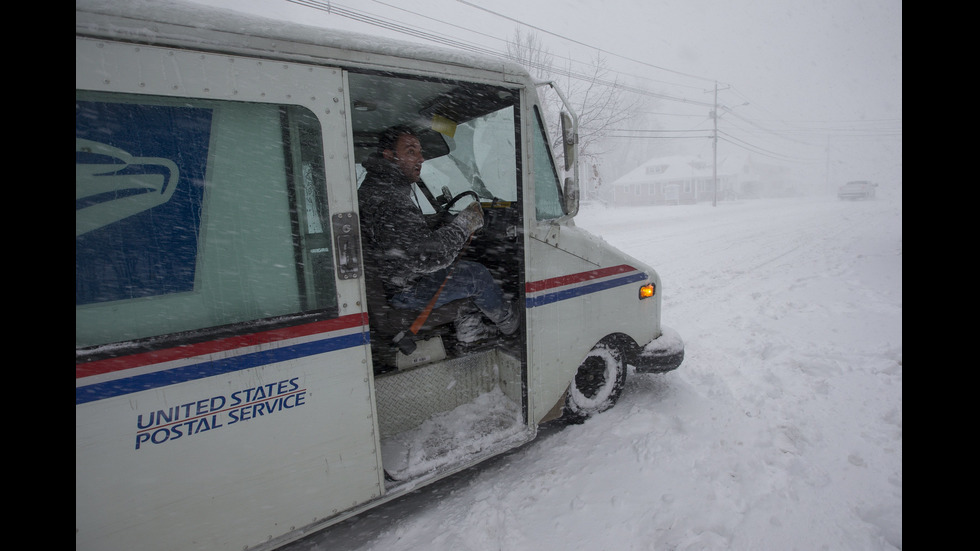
177	22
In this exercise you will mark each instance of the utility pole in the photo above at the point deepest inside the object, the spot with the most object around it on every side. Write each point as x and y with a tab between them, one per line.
714	163
827	186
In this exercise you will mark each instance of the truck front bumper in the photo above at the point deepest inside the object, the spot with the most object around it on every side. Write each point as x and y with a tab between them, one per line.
660	355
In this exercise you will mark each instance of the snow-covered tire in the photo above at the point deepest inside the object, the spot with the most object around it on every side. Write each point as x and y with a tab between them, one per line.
597	384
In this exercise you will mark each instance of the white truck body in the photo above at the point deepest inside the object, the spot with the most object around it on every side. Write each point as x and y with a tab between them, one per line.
232	388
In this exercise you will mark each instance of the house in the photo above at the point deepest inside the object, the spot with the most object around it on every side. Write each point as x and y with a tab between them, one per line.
688	179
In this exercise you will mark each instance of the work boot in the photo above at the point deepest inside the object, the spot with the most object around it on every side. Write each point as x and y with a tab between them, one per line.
511	320
471	328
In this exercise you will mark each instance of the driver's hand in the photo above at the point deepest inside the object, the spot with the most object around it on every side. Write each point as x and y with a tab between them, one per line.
470	218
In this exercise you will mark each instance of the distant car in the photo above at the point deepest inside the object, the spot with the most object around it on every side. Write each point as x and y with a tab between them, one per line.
857	189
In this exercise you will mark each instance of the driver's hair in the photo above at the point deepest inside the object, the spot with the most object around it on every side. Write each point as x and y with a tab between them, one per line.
389	137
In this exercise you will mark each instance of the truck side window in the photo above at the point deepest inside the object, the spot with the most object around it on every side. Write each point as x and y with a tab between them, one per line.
192	214
547	186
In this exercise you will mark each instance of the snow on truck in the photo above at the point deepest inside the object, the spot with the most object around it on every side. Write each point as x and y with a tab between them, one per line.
237	379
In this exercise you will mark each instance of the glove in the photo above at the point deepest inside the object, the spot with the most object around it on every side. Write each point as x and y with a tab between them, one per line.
470	218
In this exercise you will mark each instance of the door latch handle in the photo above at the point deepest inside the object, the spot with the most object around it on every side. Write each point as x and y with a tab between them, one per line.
346	235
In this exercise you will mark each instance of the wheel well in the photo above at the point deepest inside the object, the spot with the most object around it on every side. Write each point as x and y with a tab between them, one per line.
622	342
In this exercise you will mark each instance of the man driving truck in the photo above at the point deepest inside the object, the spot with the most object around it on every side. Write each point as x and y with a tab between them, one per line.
413	260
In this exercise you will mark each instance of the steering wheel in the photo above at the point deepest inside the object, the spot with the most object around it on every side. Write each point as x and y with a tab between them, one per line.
446	215
456	199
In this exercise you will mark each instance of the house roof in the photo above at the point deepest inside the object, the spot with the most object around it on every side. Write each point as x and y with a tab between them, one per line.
678	167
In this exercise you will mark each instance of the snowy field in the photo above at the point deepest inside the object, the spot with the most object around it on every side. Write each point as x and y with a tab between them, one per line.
782	429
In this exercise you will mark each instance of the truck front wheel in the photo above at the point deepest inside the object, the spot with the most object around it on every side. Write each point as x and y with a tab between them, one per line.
597	384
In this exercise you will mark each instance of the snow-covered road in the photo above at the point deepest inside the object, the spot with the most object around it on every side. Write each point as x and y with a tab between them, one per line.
782	429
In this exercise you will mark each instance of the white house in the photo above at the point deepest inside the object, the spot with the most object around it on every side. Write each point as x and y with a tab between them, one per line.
686	179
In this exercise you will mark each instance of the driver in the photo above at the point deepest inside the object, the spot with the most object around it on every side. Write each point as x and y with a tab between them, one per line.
414	260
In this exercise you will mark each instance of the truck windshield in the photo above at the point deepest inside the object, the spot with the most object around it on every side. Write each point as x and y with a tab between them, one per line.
468	131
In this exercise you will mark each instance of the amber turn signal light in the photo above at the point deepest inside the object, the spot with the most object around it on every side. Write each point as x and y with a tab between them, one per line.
647	291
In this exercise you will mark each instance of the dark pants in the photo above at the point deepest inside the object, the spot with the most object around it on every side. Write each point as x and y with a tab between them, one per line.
468	280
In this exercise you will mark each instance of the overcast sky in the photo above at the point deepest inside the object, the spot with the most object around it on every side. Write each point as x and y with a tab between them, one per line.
813	73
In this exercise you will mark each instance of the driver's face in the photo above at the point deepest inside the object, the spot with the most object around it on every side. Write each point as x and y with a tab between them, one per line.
407	156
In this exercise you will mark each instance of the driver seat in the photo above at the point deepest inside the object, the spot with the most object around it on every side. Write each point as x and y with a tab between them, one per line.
386	321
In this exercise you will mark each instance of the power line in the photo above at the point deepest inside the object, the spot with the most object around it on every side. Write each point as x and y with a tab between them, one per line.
357	15
331	7
615	85
581	43
656	130
399	8
568	59
635	137
442	38
728	138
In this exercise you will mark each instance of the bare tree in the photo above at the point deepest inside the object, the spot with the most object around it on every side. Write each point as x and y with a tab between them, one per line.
600	103
530	52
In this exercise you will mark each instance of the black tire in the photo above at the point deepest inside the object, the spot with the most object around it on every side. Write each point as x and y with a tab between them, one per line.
597	384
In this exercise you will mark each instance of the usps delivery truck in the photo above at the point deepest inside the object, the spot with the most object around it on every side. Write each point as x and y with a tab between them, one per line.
239	383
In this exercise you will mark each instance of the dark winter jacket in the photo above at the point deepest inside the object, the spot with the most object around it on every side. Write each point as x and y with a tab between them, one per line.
397	240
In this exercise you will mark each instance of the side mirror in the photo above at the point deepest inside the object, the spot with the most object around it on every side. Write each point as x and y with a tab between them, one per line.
571	196
569	141
569	138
